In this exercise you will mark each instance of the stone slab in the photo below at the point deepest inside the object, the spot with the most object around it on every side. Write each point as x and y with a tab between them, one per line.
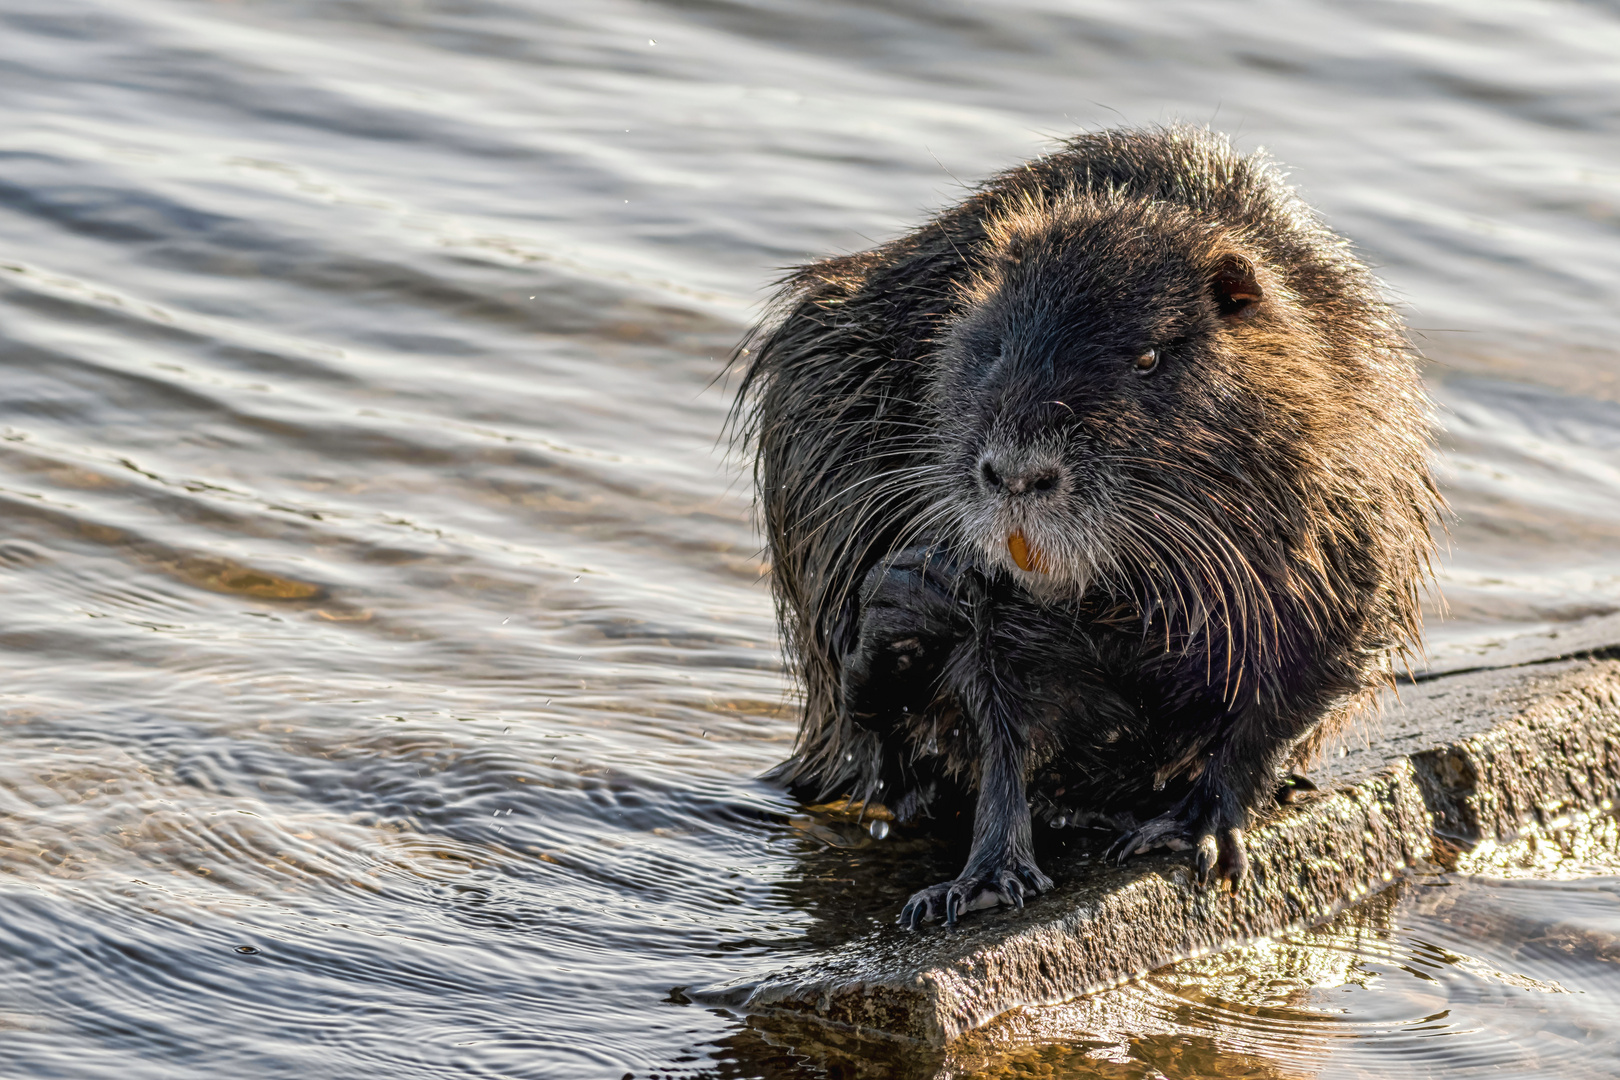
1598	636
1455	759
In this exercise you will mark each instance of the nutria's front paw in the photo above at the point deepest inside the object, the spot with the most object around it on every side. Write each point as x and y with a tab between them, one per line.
914	592
910	618
1219	846
1009	884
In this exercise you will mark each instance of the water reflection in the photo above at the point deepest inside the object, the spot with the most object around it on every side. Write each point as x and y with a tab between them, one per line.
1388	986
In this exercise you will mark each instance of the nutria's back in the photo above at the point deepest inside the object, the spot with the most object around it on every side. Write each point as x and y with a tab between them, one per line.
1136	385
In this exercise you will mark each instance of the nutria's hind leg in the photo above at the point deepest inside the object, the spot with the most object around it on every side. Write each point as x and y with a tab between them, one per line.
1238	778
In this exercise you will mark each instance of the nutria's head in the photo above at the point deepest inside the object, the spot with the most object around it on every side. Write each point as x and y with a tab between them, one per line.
1123	402
1139	367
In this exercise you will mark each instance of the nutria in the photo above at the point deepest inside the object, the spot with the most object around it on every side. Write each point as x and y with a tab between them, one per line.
1094	498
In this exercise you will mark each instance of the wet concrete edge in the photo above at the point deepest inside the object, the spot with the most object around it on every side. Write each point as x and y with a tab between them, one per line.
1458	760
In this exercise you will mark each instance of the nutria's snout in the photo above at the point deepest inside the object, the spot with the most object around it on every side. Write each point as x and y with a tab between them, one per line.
1014	506
1020	474
1020	480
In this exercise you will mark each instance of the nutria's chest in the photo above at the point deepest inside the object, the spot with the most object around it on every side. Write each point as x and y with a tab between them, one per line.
1112	720
1117	736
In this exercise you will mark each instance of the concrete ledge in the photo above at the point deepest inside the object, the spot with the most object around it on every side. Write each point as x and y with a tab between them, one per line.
1558	752
1459	759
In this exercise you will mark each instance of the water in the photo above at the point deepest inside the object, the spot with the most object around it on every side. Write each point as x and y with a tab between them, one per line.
1440	977
388	659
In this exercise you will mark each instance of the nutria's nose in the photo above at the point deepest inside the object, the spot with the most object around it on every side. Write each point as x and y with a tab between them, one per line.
1017	475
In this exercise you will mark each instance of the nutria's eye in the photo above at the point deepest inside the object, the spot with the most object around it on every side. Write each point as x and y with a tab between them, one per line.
1147	361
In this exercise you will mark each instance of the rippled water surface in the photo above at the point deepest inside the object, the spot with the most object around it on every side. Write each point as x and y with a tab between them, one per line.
388	658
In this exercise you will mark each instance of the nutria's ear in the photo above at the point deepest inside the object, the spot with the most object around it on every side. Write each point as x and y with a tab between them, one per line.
1236	290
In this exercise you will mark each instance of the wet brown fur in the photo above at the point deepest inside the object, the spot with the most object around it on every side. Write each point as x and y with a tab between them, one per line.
1237	548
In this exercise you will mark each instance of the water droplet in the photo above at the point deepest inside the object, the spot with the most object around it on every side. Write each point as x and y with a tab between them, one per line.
879	829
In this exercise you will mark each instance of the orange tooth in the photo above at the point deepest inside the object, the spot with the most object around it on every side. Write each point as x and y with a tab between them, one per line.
1026	555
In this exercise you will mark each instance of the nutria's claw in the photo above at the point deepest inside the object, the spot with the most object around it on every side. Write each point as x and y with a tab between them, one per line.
1219	851
1221	857
1293	788
1007	885
1164	830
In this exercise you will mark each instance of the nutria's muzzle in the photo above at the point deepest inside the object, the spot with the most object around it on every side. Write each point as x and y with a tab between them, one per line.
1020	474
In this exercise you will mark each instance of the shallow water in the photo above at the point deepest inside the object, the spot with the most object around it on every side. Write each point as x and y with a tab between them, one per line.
388	658
1442	976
